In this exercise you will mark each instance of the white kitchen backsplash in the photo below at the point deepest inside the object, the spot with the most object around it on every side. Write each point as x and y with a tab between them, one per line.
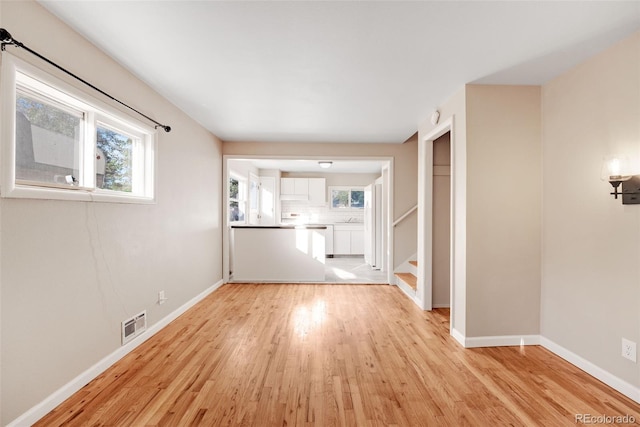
300	212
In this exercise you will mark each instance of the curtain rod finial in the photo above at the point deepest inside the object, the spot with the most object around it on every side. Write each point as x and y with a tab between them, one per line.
165	128
5	36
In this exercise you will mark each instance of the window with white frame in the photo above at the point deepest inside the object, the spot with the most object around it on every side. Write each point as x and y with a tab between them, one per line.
347	197
237	199
60	143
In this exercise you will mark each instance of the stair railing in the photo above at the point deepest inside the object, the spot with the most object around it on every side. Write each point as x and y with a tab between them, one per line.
405	215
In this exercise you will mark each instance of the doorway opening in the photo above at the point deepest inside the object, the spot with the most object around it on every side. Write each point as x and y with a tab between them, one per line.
301	191
441	220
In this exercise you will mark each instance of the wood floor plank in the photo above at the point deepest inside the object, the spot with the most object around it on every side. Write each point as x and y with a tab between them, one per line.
330	355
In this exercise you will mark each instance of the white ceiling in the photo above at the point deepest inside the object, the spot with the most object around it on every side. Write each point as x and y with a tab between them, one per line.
325	71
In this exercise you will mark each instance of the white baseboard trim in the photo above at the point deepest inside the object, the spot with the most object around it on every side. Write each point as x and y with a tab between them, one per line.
447	305
67	390
457	335
618	384
501	341
413	297
629	390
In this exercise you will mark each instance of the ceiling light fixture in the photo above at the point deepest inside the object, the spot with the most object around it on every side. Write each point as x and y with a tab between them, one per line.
325	164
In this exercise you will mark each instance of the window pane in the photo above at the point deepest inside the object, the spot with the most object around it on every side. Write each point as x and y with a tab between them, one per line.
47	141
236	211
339	198
114	163
357	198
233	188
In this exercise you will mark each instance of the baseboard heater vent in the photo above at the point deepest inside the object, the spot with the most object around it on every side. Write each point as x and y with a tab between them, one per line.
133	327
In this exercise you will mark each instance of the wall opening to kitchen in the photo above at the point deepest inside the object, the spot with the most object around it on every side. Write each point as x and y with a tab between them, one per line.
303	193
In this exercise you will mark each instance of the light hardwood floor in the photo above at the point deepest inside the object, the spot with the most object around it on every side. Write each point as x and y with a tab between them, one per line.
324	355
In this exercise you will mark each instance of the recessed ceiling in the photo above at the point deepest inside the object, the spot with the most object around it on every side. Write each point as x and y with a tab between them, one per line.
325	71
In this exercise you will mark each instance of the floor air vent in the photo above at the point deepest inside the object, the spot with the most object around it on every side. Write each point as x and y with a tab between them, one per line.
133	327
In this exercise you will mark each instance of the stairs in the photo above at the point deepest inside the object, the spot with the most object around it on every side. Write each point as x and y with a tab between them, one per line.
409	279
406	278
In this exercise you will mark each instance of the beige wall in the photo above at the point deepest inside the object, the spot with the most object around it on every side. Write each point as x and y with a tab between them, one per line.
496	151
404	180
503	210
72	271
591	242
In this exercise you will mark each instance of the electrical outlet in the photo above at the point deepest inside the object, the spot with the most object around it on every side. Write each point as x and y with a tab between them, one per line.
628	349
161	297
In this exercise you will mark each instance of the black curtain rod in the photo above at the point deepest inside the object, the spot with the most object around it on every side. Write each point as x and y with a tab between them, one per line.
6	39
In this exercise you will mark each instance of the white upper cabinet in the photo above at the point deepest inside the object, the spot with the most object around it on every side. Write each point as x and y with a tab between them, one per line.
311	189
317	191
294	189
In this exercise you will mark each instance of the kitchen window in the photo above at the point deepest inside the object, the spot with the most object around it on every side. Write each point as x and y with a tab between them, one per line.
237	199
60	143
347	197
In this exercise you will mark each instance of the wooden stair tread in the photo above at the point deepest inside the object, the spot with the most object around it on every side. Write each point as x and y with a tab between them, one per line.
409	279
414	263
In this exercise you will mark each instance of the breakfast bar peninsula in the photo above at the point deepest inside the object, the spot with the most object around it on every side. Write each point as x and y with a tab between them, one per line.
278	253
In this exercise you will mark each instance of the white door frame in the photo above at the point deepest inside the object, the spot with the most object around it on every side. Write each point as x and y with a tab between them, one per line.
425	217
253	212
261	198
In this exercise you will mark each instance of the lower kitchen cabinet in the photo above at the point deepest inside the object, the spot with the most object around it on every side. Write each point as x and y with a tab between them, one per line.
328	240
348	240
357	242
341	242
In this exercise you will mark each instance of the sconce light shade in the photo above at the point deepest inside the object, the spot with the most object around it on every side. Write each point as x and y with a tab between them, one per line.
325	164
616	169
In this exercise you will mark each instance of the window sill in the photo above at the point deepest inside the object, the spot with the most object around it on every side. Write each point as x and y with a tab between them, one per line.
28	192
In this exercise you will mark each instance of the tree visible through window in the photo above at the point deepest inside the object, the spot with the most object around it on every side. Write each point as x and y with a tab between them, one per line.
68	145
237	200
347	197
117	149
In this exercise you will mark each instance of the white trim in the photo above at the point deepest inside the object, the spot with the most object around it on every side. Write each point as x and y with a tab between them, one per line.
501	341
399	283
388	173
457	336
16	72
616	383
52	401
629	390
425	216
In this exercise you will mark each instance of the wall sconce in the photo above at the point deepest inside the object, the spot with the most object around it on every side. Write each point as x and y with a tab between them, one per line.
617	170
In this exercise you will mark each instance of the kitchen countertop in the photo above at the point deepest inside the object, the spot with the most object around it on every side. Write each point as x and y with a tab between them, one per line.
286	226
